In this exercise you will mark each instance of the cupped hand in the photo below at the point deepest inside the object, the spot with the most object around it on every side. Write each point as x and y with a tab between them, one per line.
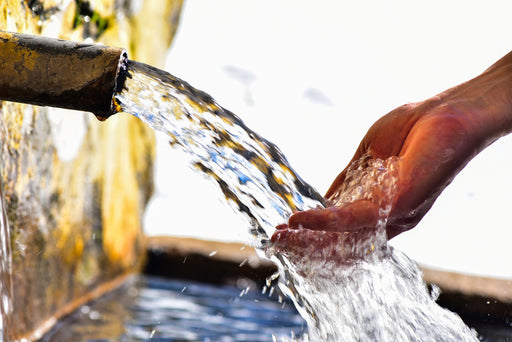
424	145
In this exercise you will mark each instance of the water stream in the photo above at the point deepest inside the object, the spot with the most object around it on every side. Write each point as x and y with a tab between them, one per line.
251	172
347	288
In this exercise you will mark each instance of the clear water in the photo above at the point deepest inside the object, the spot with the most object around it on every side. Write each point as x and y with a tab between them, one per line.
251	172
157	309
354	288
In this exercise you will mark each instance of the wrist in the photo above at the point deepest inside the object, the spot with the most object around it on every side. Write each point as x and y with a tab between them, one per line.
486	100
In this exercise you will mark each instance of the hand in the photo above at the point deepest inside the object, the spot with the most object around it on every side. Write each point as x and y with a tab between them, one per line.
417	149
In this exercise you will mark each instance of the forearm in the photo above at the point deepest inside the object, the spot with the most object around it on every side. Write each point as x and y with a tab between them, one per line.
486	101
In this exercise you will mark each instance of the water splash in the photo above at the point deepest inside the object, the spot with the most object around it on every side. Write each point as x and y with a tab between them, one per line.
358	288
369	179
378	295
377	300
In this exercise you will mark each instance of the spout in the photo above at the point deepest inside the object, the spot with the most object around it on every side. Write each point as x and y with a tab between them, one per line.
59	73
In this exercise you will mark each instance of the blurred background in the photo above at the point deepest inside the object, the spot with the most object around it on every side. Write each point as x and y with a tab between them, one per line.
312	77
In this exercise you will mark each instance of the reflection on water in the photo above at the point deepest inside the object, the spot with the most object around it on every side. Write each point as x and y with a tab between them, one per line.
156	309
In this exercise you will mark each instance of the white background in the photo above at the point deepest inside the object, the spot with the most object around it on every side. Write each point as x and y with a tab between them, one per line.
313	76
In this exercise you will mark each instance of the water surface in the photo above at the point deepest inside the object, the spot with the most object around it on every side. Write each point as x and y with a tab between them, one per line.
158	309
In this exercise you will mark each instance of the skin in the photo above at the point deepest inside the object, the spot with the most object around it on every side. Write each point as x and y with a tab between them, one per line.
433	140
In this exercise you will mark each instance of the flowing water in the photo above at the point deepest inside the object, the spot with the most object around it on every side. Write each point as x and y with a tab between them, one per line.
347	287
251	172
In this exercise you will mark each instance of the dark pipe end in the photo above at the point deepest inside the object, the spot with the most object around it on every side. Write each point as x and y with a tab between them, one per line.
59	73
117	87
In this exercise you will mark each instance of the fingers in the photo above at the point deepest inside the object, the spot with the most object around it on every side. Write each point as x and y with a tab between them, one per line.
324	246
347	218
317	219
307	243
282	226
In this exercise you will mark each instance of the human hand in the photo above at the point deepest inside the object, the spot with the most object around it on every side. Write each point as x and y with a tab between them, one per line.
407	158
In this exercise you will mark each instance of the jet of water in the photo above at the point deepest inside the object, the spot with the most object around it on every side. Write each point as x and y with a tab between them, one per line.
348	287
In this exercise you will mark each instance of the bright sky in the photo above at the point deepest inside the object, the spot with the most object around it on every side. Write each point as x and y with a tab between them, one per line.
312	77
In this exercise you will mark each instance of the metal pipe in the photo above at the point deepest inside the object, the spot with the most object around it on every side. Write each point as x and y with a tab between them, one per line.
60	73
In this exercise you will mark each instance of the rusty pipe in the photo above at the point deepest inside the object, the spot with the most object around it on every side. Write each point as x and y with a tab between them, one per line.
60	73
